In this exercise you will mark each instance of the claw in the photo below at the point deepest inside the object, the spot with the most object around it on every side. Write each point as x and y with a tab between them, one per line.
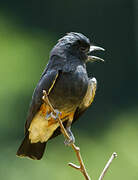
54	115
69	142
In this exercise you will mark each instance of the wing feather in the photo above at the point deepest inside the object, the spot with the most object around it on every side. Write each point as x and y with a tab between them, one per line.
88	99
46	83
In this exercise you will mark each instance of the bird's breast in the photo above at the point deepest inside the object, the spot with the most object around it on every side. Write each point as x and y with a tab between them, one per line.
69	89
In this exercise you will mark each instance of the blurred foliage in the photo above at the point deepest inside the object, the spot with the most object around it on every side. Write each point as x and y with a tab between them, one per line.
28	31
23	57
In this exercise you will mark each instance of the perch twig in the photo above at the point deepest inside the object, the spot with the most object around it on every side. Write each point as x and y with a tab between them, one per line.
81	168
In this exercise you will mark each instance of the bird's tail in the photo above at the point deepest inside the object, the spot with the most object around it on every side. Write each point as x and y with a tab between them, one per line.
31	150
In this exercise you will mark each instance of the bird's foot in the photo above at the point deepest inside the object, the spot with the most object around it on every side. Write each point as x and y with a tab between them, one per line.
55	115
71	140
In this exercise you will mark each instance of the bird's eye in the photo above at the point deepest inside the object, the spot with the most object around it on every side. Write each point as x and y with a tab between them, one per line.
83	49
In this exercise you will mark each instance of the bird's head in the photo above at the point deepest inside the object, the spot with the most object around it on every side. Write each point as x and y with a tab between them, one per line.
79	45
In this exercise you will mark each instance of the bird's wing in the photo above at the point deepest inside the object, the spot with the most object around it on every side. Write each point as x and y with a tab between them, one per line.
88	99
46	83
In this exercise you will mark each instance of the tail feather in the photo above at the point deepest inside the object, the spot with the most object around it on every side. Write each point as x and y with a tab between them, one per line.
31	150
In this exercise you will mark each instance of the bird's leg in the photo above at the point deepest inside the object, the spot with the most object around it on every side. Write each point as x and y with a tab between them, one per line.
71	139
54	113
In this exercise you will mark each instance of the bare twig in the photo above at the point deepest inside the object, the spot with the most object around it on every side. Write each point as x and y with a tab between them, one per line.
114	155
81	168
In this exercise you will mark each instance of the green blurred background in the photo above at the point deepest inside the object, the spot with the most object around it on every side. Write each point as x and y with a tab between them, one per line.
28	31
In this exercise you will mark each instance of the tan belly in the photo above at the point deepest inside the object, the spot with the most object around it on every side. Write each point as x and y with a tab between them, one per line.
41	128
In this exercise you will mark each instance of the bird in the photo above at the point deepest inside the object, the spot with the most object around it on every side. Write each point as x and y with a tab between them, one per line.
69	90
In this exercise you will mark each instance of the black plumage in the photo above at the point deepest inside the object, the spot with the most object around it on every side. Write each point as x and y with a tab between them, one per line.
66	81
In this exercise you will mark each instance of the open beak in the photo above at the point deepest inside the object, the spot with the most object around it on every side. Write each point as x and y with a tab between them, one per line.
94	58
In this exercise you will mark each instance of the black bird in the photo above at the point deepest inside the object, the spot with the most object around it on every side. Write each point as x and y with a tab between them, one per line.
69	90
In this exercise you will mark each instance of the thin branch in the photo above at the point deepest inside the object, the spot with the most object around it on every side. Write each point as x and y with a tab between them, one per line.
81	168
114	155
